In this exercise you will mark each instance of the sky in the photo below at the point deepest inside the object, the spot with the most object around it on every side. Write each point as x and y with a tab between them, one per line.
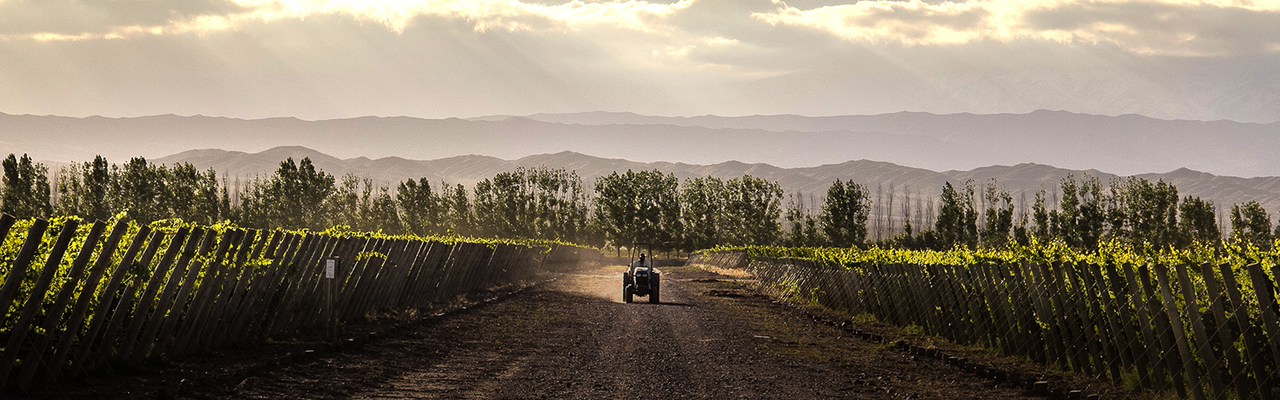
322	59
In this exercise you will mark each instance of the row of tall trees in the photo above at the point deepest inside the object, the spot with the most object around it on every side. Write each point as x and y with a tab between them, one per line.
648	206
1132	210
532	203
97	190
525	203
634	206
26	188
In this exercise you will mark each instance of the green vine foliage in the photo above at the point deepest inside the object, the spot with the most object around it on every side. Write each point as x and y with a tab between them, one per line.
1113	252
139	274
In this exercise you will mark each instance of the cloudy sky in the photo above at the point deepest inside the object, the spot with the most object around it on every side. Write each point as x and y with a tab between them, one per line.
319	59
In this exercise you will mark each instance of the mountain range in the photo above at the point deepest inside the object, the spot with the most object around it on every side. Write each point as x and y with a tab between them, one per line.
1225	161
1021	180
1126	144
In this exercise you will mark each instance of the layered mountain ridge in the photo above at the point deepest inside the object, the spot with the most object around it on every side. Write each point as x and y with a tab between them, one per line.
1126	144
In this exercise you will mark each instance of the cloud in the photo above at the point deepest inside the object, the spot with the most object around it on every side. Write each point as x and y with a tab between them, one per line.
1163	27
909	22
1181	28
1159	27
71	20
510	15
338	58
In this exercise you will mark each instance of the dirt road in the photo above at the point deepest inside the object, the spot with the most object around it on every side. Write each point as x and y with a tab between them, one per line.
572	338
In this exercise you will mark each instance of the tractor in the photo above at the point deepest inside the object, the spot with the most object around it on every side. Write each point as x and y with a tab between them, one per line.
641	279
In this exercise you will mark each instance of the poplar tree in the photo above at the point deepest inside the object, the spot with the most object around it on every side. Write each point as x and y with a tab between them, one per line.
95	181
461	219
1145	212
292	198
26	188
844	214
1198	220
532	203
424	210
1251	224
190	194
999	217
639	207
957	223
753	207
703	212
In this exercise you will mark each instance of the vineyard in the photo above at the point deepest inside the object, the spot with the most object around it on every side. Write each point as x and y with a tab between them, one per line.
82	297
1135	287
1200	330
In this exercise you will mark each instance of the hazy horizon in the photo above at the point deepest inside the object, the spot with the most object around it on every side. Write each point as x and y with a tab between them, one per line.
1125	145
483	117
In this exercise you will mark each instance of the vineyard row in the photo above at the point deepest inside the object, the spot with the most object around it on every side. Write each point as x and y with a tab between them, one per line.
132	292
1202	331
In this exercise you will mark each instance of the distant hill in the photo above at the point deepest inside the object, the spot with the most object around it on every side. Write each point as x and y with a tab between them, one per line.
1021	180
1125	144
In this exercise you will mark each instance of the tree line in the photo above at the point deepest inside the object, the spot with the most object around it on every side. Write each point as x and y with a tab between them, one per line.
629	207
1086	215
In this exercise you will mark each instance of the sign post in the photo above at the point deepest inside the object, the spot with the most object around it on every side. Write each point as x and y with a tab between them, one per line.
330	274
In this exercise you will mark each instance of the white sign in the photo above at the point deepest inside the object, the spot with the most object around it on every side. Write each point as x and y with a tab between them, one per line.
329	266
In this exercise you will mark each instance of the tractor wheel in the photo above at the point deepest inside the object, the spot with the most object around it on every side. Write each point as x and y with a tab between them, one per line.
626	293
657	287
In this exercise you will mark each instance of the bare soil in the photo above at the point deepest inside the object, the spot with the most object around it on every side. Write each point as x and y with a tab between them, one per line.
713	336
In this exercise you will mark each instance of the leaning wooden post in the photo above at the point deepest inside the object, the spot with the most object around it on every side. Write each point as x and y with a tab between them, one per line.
1150	340
33	304
1242	319
1264	288
330	272
1192	310
1179	334
53	315
1216	298
18	269
79	313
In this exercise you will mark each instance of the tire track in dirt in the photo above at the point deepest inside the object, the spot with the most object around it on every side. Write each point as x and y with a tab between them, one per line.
606	349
